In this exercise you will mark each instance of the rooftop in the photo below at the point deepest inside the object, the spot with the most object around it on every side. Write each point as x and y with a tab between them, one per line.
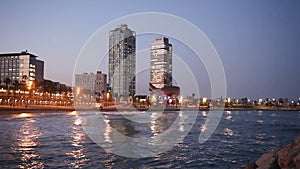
17	54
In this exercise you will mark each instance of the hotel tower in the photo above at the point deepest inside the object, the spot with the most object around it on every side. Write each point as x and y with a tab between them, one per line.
161	63
122	46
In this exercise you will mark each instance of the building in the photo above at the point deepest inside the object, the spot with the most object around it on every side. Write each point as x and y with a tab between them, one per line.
55	87
122	46
94	83
85	81
21	66
161	63
39	73
161	70
100	84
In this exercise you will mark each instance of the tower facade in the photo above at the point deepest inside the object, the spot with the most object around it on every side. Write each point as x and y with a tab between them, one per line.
161	63
122	61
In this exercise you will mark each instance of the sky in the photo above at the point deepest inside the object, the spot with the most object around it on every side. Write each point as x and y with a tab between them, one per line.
257	41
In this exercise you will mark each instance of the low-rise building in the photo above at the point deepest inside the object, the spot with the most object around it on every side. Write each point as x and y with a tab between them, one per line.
93	83
20	66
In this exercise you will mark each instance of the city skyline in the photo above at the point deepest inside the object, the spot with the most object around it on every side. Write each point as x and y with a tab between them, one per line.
259	47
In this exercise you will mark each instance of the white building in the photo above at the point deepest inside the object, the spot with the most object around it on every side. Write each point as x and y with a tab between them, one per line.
21	66
94	83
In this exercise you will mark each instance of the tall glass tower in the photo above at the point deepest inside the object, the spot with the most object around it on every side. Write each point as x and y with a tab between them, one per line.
122	45
161	63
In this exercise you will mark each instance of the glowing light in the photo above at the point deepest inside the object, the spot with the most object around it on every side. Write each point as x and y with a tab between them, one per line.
2	90
29	84
180	99
78	90
23	115
73	113
228	100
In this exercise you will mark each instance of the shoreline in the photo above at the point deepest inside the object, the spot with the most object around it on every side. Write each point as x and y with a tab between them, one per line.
34	109
37	109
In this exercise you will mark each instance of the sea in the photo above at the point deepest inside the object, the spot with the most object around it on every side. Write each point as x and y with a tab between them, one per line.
169	139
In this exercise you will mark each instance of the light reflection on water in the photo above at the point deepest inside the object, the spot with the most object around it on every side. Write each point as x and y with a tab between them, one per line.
228	115
260	121
116	134
23	115
79	158
228	132
27	140
73	113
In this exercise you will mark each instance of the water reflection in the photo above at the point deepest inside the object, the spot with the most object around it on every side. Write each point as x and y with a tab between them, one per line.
260	121
204	113
23	115
73	113
107	131
27	139
119	135
260	138
161	122
228	115
79	158
228	132
203	128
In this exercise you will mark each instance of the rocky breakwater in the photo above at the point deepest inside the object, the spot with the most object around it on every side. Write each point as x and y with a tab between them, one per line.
287	157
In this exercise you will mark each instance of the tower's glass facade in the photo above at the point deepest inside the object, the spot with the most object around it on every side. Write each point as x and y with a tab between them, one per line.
161	63
122	46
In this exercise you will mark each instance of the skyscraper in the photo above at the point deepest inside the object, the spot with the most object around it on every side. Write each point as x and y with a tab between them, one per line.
161	63
122	61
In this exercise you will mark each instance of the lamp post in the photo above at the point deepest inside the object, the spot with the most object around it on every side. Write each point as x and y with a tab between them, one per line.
29	85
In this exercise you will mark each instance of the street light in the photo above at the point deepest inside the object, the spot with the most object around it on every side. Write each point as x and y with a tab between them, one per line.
77	90
29	84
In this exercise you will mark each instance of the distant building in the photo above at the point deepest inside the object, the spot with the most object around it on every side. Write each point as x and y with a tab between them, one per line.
95	83
39	73
52	86
100	83
21	66
161	69
161	63
85	81
122	46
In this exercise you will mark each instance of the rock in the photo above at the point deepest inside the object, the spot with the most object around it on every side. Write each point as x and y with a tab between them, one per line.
267	161
251	166
297	161
287	156
297	140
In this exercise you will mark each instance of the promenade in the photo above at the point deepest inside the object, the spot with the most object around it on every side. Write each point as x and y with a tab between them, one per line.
5	109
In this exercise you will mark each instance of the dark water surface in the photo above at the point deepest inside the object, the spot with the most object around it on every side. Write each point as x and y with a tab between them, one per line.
57	140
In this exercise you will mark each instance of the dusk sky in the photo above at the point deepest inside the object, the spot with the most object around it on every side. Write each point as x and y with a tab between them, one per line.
258	41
